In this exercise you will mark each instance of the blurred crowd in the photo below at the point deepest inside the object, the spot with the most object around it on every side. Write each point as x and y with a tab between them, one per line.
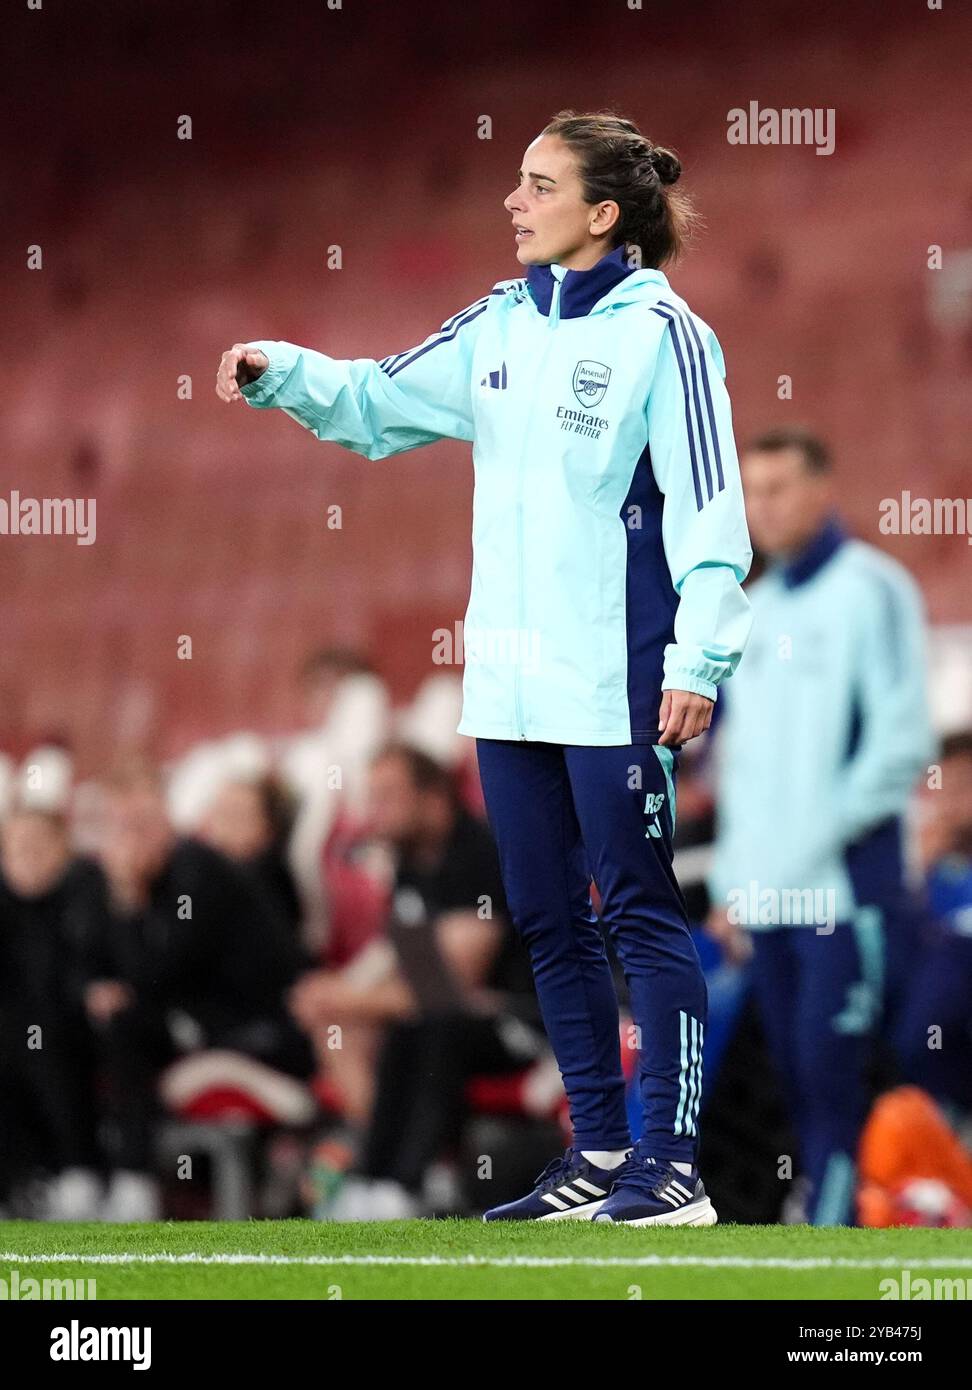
306	933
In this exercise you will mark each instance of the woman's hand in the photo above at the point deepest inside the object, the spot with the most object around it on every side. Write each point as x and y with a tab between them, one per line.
682	716
238	366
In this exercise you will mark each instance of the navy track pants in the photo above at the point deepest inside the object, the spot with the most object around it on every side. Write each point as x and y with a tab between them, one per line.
819	996
562	814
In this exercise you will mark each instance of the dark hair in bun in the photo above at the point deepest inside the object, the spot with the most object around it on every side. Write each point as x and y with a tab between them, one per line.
617	162
665	164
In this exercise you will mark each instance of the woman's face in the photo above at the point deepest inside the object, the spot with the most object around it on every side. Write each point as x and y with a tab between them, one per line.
548	205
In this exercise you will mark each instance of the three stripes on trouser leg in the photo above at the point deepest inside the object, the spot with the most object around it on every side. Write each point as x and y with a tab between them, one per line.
691	1032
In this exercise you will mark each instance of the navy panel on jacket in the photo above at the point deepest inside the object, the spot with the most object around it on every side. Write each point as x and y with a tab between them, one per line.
650	600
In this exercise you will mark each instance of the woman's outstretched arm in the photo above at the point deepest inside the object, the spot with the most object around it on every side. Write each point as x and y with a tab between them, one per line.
375	408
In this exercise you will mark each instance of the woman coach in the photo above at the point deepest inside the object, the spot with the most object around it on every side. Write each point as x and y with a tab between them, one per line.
608	531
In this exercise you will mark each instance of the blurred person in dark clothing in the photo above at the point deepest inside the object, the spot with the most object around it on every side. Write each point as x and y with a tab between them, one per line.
184	955
447	882
249	821
934	1038
47	1115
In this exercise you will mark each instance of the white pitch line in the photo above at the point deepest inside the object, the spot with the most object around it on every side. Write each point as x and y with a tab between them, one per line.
497	1262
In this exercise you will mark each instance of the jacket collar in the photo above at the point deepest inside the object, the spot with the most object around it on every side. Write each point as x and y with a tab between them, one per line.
579	289
806	562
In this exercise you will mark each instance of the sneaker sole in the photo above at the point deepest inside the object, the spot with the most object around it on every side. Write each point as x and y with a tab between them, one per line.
698	1214
585	1213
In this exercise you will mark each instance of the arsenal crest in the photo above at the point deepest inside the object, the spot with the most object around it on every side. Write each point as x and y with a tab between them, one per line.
590	382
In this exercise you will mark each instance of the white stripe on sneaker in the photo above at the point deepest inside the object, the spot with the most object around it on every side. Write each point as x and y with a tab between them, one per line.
554	1201
589	1187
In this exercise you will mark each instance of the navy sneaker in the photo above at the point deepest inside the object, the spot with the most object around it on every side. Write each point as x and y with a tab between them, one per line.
569	1189
650	1193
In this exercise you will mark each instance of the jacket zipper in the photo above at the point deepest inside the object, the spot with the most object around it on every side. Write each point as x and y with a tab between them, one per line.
517	705
553	319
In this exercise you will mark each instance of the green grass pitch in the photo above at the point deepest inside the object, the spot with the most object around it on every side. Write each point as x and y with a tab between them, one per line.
457	1259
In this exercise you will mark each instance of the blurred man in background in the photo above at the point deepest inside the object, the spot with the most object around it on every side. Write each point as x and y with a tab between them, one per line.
449	987
185	954
46	1102
823	739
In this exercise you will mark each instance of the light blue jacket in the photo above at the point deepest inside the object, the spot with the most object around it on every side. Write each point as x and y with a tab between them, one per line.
609	534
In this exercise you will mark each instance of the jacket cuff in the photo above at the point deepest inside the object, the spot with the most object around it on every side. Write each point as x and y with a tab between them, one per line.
684	680
261	392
